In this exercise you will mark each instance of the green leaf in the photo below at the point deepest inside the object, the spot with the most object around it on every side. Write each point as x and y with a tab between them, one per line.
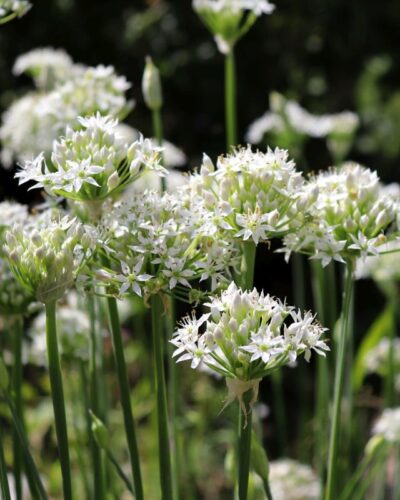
259	459
380	328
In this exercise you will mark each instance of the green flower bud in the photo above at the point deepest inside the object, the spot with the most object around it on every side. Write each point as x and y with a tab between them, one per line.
151	86
100	432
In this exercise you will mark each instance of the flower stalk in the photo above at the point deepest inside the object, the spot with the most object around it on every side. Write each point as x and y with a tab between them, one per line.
162	412
244	445
330	493
230	100
123	382
57	393
17	392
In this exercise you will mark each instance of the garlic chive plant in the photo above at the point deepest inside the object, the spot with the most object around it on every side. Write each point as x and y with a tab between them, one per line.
349	220
46	256
245	337
229	21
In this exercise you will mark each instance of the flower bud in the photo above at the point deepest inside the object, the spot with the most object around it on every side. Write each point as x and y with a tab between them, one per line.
113	181
100	432
151	86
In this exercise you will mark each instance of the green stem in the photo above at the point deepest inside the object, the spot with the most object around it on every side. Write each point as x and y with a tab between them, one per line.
174	392
391	374
4	486
122	374
244	448
119	471
322	293
248	264
230	100
267	490
98	473
280	414
330	493
57	393
158	133
162	412
17	392
33	476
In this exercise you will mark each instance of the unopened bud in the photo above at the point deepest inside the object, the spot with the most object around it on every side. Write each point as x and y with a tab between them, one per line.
99	431
151	86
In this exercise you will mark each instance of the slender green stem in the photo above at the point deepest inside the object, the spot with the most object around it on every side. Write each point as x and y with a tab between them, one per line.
98	473
122	374
298	273
280	414
174	392
267	490
322	292
391	364
17	330
33	476
162	412
230	100
82	397
119	471
330	493
158	133
244	448
247	265
57	393
4	486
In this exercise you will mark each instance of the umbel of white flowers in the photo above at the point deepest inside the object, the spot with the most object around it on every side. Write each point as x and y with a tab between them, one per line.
245	337
92	163
45	256
155	244
230	20
387	427
251	195
293	480
349	218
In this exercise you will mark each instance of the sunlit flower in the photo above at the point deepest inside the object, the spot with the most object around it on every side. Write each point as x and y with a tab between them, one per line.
229	20
292	480
388	425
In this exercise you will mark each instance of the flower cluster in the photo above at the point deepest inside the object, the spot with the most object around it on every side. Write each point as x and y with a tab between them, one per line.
46	66
376	360
348	219
154	245
383	268
246	336
229	20
9	9
388	425
287	115
33	122
45	255
292	480
251	195
12	212
73	330
92	163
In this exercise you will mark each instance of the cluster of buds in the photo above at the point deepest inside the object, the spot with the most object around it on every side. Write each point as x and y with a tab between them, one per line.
251	195
348	219
387	427
14	298
294	480
46	255
65	90
154	245
9	9
92	163
230	20
245	337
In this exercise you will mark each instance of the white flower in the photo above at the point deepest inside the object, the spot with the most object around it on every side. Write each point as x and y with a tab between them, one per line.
388	425
131	277
292	480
